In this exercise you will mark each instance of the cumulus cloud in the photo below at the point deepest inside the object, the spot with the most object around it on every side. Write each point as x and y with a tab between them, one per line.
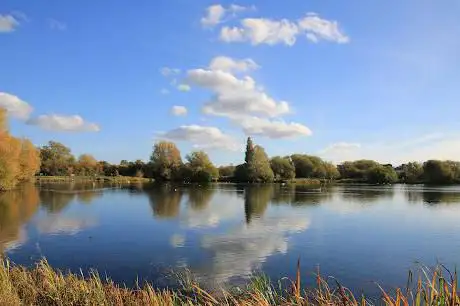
242	100
203	137
73	123
235	96
271	128
229	64
267	31
15	106
177	110
317	29
8	23
216	13
164	91
166	71
56	25
183	87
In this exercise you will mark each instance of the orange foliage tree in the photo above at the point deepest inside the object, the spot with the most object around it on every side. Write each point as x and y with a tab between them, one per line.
19	159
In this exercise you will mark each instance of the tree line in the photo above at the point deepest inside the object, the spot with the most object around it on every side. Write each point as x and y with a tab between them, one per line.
20	160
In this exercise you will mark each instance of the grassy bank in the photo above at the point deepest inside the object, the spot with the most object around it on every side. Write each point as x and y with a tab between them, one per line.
43	285
83	179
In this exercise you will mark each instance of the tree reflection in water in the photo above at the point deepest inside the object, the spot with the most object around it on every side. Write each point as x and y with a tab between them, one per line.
165	200
16	209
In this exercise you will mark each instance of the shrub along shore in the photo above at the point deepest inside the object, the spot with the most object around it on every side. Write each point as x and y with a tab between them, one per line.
42	285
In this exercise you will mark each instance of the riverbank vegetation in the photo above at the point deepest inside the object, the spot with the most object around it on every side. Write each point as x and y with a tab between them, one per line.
42	285
20	160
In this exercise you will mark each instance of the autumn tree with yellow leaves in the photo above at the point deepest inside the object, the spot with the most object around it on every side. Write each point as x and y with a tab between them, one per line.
19	159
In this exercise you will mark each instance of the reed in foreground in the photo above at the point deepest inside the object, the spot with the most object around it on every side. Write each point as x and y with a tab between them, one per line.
43	285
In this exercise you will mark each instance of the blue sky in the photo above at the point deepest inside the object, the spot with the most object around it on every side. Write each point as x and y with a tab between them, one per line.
342	79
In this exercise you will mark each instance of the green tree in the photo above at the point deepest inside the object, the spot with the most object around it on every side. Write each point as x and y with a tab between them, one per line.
438	172
330	171
382	175
307	166
411	172
56	159
166	161
357	170
227	171
250	154
200	168
260	170
282	167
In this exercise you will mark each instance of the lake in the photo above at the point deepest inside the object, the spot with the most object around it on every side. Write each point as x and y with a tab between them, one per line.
225	232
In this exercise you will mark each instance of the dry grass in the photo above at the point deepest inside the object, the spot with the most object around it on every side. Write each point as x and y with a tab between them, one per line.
45	286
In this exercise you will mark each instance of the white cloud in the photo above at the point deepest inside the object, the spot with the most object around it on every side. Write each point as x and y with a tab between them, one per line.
262	31
216	13
164	91
56	25
272	128
318	29
228	64
166	71
243	101
233	96
204	137
179	110
183	87
8	23
15	106
73	123
267	31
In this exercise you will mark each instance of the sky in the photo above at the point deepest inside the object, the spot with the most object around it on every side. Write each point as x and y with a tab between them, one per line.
340	79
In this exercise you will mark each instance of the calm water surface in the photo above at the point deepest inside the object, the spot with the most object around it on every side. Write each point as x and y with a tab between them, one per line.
223	233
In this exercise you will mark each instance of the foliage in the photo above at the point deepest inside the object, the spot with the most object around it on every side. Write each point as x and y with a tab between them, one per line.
307	166
357	170
166	161
56	159
18	158
282	167
382	175
227	171
411	172
86	165
199	168
10	170
441	172
250	154
29	160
